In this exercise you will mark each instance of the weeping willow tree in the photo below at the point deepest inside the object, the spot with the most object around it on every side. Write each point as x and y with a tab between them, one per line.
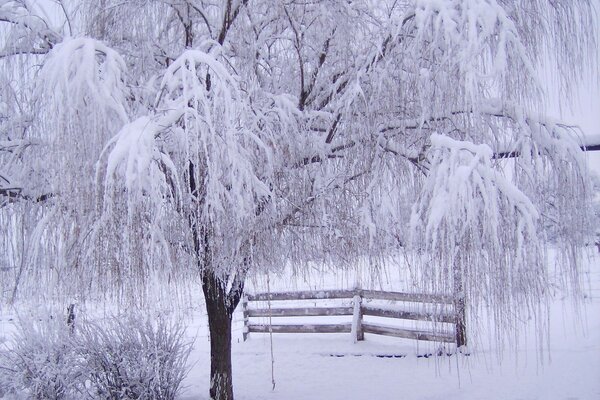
204	140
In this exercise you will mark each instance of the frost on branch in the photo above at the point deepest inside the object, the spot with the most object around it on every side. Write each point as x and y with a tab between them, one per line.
83	72
476	46
474	41
25	28
82	95
79	102
200	164
552	170
228	152
547	164
477	232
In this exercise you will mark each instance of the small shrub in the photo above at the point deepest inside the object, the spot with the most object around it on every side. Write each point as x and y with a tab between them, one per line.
115	359
39	362
133	358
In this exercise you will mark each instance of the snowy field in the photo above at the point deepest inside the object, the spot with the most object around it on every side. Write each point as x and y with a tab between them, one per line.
330	366
311	366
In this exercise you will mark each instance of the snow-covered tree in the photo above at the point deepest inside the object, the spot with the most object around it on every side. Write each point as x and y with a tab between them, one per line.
202	140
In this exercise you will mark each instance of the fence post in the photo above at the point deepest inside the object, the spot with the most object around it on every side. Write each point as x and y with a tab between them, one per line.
460	327
245	332
357	329
71	317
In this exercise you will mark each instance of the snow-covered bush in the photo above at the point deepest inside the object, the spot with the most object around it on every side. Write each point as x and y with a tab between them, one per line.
128	358
40	363
133	358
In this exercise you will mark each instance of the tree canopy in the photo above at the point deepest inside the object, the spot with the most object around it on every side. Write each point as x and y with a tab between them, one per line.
180	141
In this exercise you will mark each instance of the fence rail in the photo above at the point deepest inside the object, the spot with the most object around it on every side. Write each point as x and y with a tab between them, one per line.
409	333
305	328
348	294
300	312
412	315
452	313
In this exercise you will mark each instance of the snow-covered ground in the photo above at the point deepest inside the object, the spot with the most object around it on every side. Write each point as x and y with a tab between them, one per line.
330	366
312	366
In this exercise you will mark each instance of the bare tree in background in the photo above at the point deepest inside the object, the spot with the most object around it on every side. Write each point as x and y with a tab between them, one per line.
186	141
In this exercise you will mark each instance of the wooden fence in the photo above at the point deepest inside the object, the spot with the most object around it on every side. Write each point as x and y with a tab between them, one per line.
452	313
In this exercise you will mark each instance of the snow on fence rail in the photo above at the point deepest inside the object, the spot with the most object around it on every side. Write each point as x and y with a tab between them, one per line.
357	327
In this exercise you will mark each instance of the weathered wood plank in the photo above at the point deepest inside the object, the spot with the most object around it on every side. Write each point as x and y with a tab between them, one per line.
304	295
412	315
411	297
305	328
408	333
299	312
348	294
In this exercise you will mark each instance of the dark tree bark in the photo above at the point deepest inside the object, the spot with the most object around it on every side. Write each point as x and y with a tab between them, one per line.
220	305
219	324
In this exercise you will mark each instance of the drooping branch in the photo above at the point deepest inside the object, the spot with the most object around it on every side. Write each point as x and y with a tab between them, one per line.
21	16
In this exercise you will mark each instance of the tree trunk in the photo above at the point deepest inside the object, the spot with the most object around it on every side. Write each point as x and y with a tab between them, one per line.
219	324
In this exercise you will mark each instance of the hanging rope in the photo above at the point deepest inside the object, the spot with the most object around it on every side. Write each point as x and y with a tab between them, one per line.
270	332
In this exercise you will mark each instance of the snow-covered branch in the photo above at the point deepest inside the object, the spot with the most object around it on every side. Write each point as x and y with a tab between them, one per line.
29	31
476	229
214	139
